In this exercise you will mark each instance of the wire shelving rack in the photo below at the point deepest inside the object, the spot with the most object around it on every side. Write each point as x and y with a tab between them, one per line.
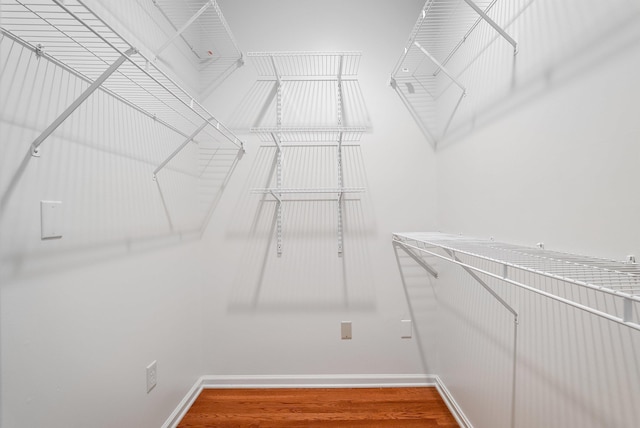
282	68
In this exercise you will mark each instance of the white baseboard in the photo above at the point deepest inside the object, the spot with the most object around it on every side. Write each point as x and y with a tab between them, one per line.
317	381
183	407
451	403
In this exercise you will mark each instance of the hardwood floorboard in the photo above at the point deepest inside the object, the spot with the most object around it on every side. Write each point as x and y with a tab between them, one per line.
319	407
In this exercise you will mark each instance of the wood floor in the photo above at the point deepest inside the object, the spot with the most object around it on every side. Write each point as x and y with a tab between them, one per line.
359	407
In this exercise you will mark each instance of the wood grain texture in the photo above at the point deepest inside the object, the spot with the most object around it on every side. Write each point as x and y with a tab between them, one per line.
321	407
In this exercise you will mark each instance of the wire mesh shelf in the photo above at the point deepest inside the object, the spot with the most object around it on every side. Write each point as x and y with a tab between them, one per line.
201	25
430	90
310	135
70	34
284	65
293	68
610	277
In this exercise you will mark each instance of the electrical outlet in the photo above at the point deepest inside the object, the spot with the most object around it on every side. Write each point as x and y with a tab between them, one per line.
152	375
406	332
345	330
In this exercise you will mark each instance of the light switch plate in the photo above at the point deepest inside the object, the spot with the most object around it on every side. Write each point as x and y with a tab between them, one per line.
406	329
345	330
50	219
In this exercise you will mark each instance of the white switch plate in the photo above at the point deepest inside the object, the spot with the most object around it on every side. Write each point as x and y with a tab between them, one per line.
345	330
406	329
152	375
50	219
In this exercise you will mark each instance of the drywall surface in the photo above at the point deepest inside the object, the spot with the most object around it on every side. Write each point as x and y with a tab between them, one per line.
281	315
82	316
558	165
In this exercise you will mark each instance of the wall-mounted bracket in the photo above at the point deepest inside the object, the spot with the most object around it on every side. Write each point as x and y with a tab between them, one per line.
180	147
78	102
493	24
182	29
426	266
441	67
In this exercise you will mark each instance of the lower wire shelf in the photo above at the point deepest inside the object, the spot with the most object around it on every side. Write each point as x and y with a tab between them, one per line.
620	280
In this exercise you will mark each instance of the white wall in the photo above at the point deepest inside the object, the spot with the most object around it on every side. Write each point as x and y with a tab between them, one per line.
557	165
270	315
81	317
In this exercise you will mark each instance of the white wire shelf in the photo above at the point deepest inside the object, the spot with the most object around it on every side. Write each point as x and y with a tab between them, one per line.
615	278
309	134
284	65
71	35
277	193
421	75
202	27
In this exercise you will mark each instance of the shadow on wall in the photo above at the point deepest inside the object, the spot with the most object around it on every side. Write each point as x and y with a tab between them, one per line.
571	368
309	275
99	164
556	41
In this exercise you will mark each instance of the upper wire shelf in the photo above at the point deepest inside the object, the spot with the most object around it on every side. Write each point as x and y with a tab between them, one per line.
70	34
619	279
331	68
202	27
422	74
306	65
288	134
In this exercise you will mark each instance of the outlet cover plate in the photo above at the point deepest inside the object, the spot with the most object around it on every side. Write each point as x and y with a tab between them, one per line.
50	219
406	329
345	330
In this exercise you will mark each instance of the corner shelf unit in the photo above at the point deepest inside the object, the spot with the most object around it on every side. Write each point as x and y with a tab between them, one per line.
421	75
71	36
621	280
283	67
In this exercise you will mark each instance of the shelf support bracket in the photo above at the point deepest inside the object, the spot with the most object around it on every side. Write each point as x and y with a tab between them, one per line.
180	147
441	67
277	137
495	26
484	285
183	28
275	196
339	155
426	266
341	188
82	98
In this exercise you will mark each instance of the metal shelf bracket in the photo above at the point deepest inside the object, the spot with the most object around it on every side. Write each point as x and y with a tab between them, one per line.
182	29
493	24
78	102
441	67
